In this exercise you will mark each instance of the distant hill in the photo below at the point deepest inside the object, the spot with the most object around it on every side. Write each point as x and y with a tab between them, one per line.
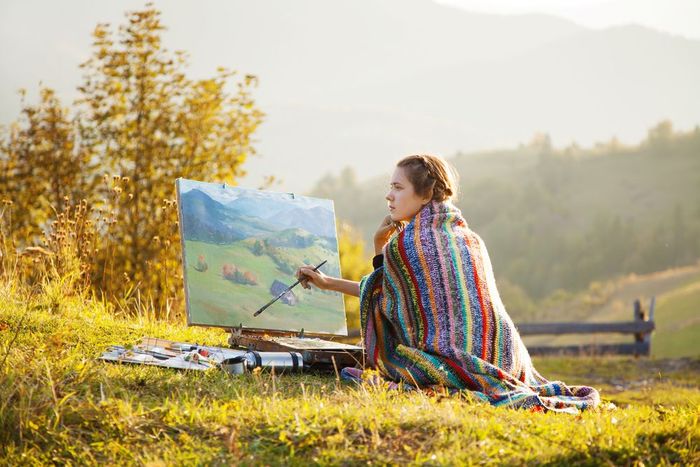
364	82
255	206
300	238
291	238
318	221
209	220
578	85
561	218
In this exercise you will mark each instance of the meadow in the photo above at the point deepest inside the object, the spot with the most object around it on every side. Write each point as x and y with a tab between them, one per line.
90	257
61	405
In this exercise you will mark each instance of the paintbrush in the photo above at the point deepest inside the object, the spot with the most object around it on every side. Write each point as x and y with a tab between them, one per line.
284	292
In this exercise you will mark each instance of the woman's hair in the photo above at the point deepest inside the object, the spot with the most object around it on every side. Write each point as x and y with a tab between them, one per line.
431	175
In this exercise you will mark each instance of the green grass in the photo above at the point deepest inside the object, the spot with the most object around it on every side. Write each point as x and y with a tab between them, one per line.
676	313
678	322
60	405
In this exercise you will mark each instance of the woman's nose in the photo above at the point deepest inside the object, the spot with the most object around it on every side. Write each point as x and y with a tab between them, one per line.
388	196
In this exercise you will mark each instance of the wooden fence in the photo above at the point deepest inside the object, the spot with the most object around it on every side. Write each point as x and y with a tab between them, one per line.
640	327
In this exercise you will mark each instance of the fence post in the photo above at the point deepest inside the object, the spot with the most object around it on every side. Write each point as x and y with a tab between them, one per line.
647	336
642	340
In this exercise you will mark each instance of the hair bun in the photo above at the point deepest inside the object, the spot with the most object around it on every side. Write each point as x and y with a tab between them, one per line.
430	175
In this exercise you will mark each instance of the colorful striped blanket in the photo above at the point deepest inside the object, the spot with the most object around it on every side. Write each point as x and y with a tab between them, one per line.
431	315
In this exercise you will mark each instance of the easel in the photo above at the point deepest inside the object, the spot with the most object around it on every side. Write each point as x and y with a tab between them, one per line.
318	353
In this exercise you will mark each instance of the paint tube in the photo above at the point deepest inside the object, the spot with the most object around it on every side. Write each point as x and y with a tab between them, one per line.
280	361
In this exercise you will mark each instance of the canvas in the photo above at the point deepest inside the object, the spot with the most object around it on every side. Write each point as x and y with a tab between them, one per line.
241	248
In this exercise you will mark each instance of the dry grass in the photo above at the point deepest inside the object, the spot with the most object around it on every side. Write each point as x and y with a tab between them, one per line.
60	405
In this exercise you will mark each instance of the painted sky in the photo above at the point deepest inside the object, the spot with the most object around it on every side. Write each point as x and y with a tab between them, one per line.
226	194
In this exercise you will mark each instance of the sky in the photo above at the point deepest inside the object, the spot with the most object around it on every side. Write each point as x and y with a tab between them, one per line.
312	127
678	17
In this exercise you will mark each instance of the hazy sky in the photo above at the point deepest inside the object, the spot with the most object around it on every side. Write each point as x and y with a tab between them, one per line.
680	17
334	103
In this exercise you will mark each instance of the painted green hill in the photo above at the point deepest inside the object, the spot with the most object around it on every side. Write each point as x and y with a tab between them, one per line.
214	300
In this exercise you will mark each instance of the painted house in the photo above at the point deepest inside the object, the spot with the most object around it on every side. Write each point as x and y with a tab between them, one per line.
278	287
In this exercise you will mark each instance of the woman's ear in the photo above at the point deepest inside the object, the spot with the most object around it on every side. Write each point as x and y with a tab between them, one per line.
429	197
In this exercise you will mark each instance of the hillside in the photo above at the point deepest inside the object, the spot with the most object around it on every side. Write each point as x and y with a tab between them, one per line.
562	218
208	220
61	406
676	313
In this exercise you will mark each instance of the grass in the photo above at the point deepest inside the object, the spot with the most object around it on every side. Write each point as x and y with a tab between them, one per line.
60	405
677	293
678	321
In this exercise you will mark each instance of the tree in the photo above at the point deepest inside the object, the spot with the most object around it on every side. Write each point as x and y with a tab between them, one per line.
138	124
42	166
541	142
258	248
660	137
148	123
354	264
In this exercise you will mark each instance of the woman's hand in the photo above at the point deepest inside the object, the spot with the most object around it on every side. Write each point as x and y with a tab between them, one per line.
384	232
306	274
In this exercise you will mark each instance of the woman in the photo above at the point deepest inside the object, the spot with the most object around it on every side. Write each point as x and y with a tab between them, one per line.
430	312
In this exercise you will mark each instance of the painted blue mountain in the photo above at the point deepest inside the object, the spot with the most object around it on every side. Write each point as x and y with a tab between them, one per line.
256	206
207	220
318	221
285	214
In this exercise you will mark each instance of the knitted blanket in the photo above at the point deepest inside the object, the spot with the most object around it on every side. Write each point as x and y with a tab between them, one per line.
431	315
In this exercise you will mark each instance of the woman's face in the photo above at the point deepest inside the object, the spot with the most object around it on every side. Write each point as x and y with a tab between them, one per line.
404	203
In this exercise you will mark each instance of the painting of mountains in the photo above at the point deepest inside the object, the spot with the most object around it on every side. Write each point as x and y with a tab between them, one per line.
241	248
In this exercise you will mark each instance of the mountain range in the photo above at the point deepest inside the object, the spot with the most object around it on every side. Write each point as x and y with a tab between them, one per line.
209	220
363	83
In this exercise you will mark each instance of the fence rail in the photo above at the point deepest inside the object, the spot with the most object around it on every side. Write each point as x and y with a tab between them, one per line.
622	327
641	326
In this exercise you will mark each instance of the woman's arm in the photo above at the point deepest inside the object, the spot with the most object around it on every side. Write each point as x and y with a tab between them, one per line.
387	228
345	286
307	274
